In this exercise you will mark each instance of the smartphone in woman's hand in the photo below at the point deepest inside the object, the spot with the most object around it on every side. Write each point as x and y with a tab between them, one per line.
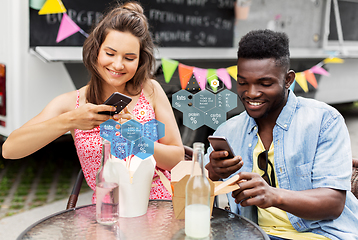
118	100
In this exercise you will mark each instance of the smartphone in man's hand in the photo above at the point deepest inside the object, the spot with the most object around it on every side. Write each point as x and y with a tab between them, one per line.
221	144
118	100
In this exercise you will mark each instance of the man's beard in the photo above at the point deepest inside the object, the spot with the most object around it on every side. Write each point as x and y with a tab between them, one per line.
275	107
280	104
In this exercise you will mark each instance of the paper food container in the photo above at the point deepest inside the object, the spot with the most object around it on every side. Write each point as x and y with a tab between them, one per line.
135	182
180	175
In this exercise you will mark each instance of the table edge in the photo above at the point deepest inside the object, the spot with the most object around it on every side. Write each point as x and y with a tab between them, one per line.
48	217
20	237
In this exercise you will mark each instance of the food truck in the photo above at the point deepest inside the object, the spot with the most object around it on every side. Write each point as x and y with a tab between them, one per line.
35	67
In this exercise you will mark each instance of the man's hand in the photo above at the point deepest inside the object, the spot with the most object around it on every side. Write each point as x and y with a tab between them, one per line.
254	191
312	204
221	167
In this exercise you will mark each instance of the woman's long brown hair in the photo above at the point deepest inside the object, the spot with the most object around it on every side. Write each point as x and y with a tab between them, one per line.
128	17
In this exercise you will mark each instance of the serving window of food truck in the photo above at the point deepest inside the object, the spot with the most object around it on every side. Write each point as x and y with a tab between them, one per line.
39	59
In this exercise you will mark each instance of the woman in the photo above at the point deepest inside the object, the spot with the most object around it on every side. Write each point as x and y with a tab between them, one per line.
119	55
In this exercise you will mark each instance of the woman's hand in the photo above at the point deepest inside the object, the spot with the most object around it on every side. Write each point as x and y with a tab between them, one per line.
57	118
124	116
87	117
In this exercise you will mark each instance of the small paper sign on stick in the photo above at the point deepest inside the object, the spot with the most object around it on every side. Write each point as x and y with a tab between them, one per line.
67	28
52	6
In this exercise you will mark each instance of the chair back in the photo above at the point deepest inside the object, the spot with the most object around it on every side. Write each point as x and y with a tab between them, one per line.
188	153
354	180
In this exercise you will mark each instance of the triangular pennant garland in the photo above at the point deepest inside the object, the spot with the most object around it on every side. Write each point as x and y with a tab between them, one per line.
333	60
292	87
67	28
319	70
52	6
232	71
224	76
212	79
200	76
37	4
185	73
310	77
301	80
169	66
212	76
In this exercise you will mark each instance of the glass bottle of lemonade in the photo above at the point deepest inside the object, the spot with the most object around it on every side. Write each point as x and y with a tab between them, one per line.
197	198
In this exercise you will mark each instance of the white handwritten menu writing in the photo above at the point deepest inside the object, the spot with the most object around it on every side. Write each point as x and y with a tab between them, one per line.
192	23
174	23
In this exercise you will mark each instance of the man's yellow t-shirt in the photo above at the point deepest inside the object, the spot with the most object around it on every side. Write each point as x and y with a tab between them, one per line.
273	220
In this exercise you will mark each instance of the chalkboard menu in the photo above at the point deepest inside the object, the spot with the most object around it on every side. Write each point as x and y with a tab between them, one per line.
194	23
173	23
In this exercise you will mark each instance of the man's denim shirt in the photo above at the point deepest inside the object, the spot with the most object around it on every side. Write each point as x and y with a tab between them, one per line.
312	150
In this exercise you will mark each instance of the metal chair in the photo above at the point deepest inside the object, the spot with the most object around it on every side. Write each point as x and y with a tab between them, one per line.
72	200
354	180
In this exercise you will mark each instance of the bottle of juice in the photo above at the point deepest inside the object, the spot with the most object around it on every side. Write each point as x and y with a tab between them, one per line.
197	198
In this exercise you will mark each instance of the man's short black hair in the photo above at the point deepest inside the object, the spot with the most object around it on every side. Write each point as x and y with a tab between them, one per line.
261	44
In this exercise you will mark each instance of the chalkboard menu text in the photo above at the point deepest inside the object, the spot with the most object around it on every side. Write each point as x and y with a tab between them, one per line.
173	23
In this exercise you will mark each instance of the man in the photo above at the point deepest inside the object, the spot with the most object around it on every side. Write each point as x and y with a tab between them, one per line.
293	154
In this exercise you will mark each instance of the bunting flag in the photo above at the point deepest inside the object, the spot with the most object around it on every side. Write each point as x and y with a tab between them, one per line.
333	60
200	76
319	70
301	80
212	79
310	77
292	87
52	6
232	71
67	28
212	76
224	76
169	66
37	4
185	73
